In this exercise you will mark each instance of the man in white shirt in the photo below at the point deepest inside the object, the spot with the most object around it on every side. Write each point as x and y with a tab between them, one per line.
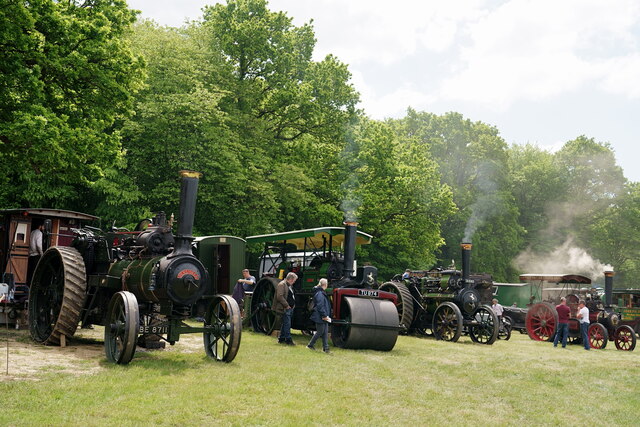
35	251
583	318
497	308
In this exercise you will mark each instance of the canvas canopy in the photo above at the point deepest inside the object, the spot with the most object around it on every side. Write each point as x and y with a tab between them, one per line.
312	237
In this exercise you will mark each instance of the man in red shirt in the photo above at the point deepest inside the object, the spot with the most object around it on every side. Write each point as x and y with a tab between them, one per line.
563	322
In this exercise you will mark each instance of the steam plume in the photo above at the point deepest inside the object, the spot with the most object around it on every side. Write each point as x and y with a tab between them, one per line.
488	203
565	259
351	202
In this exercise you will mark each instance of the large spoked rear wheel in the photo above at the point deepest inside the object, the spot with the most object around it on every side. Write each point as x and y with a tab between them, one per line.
447	322
541	322
485	327
598	336
223	342
121	329
263	318
625	338
404	304
56	296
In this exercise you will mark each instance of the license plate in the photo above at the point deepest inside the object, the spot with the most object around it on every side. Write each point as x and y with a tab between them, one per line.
153	329
367	293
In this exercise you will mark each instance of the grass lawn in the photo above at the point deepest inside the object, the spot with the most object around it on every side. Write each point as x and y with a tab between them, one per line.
421	382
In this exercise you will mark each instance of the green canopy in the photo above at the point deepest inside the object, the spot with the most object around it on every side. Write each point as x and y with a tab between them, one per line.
314	237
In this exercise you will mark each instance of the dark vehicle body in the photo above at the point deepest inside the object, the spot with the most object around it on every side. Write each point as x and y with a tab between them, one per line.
16	226
446	303
604	317
141	285
628	302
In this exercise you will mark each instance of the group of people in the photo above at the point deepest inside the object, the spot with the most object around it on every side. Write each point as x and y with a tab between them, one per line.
284	302
564	312
562	332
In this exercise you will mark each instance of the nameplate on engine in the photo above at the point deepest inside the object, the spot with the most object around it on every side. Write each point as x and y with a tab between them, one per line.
368	293
153	329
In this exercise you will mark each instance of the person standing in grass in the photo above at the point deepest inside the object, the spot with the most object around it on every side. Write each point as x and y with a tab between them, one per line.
583	317
563	323
497	309
321	315
283	302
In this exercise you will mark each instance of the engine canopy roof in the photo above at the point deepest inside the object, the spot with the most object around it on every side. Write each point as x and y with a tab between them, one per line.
313	237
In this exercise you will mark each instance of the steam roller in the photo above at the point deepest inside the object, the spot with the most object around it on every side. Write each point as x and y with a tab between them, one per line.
366	323
363	317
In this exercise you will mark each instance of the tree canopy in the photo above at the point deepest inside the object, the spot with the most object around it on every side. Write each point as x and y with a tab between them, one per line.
68	77
98	113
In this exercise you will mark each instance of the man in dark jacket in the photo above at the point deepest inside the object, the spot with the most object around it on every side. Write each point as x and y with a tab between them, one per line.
321	315
283	302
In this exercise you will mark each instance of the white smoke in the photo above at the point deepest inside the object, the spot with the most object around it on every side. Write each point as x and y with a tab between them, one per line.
351	202
488	202
565	259
349	161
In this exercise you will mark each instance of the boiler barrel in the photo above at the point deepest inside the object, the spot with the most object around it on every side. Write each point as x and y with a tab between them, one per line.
181	280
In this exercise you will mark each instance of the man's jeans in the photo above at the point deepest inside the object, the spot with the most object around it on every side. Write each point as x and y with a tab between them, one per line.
584	329
322	330
563	329
285	329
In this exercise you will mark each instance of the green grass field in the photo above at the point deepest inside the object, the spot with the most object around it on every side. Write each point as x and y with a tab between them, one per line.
421	382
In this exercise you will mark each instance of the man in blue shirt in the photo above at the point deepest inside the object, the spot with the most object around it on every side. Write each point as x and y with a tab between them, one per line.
246	284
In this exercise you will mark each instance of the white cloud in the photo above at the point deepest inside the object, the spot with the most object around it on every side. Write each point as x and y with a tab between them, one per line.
377	30
170	12
535	50
621	76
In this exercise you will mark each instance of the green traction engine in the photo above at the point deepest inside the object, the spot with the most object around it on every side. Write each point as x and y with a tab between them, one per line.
140	285
446	303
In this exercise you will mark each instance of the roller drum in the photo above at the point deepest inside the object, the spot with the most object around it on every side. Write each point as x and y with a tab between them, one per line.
373	324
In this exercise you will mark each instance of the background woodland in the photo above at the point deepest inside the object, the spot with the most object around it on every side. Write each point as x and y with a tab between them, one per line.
99	111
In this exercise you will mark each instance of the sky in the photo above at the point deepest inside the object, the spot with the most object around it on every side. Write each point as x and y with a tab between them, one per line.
541	71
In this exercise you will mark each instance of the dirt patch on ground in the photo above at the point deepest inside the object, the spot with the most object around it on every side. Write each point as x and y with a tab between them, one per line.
23	359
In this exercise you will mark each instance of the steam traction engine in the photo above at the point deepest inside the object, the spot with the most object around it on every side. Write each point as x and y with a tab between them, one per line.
605	318
135	284
446	303
363	317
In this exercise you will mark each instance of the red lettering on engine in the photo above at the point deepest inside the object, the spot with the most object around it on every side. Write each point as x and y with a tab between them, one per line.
187	271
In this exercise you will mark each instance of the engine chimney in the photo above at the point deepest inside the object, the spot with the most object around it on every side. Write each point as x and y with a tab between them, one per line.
350	229
466	260
188	193
608	288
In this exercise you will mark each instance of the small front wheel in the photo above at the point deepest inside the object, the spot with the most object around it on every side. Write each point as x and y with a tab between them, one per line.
625	338
121	330
447	322
485	327
223	317
598	336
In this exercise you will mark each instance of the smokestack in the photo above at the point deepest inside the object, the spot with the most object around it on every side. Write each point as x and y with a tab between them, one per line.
188	193
466	260
350	229
608	288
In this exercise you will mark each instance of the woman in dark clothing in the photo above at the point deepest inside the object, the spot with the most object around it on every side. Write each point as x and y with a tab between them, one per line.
321	316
